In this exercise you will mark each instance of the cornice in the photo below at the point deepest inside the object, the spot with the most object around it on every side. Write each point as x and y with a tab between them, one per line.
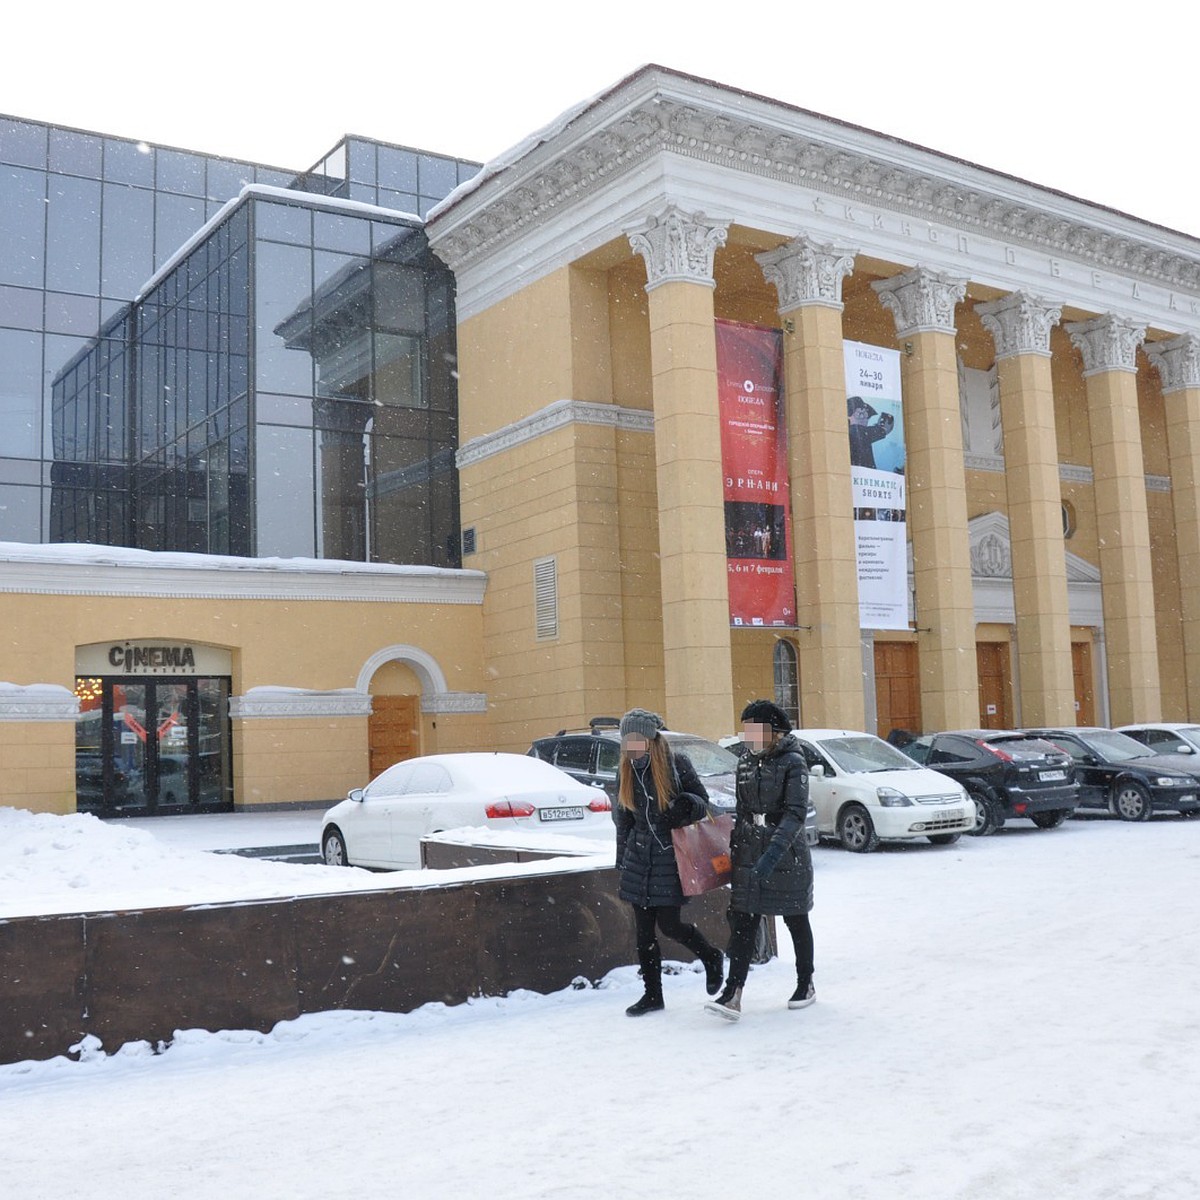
454	702
847	165
554	416
296	702
39	702
39	575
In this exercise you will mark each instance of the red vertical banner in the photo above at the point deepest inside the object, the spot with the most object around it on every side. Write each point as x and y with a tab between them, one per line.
754	458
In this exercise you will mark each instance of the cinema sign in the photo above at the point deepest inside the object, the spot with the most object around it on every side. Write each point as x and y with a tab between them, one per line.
152	656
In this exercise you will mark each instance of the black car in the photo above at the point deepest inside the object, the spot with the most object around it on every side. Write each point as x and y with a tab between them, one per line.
1006	774
1124	777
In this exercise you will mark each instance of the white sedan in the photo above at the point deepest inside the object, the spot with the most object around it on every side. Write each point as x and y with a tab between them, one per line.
382	824
864	790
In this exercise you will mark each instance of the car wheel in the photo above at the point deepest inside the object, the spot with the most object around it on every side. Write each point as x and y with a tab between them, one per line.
944	839
1049	820
1130	802
856	830
987	814
333	848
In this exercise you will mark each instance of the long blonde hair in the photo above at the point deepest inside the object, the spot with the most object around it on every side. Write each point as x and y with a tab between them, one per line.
661	772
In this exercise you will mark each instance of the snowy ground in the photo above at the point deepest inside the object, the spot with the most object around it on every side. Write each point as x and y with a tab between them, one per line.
1010	1017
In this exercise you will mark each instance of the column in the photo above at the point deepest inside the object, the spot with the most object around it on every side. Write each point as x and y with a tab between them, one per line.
808	278
1020	326
1109	347
678	248
922	303
1178	363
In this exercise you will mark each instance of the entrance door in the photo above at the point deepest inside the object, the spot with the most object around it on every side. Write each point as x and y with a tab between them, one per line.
163	746
393	731
995	685
897	688
1085	691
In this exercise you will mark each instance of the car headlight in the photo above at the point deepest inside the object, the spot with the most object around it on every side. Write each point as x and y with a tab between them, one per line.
891	798
1171	781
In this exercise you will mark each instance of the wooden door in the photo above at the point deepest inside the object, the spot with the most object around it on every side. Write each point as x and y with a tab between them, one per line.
1085	688
393	731
897	688
995	685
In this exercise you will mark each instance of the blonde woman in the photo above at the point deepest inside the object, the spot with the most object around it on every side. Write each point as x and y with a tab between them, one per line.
659	791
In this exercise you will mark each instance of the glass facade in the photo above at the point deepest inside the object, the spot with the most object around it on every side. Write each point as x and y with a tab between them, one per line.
285	389
146	424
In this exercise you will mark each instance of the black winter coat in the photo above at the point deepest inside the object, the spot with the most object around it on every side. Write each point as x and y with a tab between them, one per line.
772	802
645	852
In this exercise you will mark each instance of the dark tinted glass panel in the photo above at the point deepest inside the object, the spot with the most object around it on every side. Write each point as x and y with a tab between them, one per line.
283	294
176	219
127	240
20	470
23	144
332	231
404	202
180	172
75	153
574	754
20	393
397	169
272	177
20	308
285	410
437	177
128	162
399	298
73	235
398	370
342	470
23	246
283	223
284	491
467	171
20	513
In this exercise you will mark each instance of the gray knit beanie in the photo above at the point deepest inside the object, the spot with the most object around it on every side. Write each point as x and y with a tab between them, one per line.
641	720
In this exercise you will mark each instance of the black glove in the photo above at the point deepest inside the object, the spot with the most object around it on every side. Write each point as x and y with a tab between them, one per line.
768	860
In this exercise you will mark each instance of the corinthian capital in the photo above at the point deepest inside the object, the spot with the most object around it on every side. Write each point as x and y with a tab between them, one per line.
1107	343
1178	362
806	272
678	246
921	301
1019	323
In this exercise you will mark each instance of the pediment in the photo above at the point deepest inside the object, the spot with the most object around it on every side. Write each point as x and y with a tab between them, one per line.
991	552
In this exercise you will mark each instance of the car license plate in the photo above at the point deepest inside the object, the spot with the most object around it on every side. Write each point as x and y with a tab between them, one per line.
1047	776
1187	798
949	814
560	814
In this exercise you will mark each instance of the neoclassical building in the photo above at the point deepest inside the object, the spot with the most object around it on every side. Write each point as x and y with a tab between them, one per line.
1051	385
367	510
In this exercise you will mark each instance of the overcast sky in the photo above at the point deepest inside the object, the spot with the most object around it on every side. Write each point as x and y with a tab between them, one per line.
1101	106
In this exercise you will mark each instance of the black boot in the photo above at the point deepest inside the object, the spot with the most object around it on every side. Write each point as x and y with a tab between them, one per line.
804	995
652	999
714	970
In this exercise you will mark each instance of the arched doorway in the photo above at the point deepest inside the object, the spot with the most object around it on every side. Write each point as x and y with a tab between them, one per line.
397	678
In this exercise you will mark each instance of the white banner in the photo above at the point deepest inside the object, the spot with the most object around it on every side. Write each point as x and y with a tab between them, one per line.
876	429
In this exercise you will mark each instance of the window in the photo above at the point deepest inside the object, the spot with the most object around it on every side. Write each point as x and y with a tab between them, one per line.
545	598
428	779
787	684
574	754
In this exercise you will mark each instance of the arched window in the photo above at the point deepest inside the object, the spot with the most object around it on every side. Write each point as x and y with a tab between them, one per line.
787	683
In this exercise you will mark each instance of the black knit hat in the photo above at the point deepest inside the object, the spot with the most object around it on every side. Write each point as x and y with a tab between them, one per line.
763	712
853	402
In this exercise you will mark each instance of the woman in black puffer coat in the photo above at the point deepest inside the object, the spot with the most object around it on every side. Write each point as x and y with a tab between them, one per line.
772	865
659	791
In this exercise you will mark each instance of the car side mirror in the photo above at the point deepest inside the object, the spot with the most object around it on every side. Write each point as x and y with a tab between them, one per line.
817	769
1090	760
1185	749
356	795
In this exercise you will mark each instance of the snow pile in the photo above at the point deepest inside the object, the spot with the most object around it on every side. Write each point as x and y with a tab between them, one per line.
1007	1018
75	864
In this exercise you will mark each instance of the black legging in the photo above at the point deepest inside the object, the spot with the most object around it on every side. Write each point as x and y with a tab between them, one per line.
741	944
668	922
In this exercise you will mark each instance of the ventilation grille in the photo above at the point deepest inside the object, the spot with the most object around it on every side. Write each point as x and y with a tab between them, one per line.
468	541
545	597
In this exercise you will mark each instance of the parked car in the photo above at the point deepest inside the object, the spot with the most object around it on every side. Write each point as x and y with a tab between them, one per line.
1006	774
1165	738
382	824
1125	778
864	790
593	755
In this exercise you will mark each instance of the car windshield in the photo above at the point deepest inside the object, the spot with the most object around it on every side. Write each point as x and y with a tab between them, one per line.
707	757
1116	747
865	753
